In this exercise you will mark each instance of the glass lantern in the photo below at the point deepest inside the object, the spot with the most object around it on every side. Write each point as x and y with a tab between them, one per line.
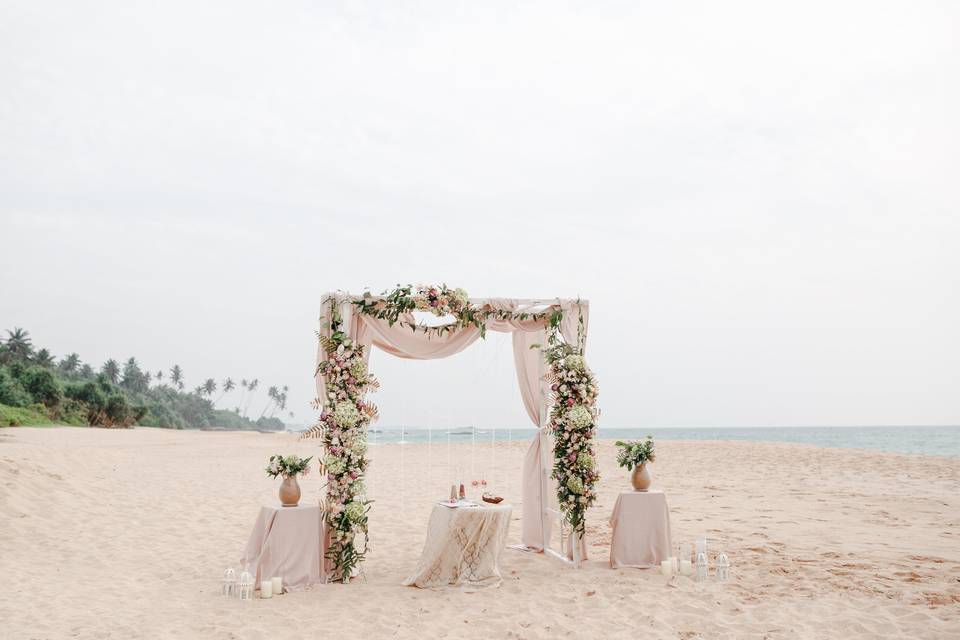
701	547
701	567
245	588
229	585
723	567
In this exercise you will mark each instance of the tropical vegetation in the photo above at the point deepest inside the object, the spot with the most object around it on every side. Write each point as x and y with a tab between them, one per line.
37	388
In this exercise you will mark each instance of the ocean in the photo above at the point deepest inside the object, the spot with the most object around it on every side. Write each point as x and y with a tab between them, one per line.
934	441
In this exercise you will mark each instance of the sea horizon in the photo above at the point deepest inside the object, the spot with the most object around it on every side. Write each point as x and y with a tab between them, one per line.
934	440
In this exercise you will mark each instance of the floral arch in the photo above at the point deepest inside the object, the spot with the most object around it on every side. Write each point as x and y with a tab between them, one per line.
558	389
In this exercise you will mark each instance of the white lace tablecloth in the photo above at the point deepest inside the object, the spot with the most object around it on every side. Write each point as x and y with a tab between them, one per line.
463	547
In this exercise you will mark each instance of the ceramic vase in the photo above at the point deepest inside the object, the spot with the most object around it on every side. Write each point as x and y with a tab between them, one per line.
641	478
289	492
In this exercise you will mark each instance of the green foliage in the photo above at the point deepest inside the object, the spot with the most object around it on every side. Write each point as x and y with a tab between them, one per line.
18	416
70	392
634	452
42	385
12	392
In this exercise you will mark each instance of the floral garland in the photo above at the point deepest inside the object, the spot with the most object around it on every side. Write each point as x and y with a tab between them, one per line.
440	300
573	419
343	424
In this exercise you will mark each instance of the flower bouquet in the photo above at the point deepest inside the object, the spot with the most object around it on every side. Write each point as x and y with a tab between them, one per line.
289	467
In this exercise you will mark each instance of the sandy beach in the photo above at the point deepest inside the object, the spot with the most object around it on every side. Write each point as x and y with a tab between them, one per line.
125	534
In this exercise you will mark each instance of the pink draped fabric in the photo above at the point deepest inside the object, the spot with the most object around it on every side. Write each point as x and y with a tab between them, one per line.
289	542
641	530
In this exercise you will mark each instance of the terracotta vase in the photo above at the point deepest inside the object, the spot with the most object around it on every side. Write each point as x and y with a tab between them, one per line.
641	478
289	492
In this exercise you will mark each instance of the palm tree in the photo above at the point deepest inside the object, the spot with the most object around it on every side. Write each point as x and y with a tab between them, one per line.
70	364
133	377
44	358
18	344
176	376
227	387
251	387
243	392
208	387
159	376
86	372
274	394
111	369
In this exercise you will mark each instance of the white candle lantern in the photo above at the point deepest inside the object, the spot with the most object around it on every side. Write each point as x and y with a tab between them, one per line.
277	585
701	567
701	547
245	587
723	567
229	584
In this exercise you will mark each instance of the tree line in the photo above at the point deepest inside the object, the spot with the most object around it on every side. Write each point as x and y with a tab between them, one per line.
71	391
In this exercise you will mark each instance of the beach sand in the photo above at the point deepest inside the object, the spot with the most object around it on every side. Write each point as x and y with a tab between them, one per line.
126	533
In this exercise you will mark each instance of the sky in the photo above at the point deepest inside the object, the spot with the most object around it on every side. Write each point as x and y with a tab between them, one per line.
760	200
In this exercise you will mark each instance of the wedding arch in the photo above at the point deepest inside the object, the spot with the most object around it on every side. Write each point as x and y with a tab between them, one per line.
558	389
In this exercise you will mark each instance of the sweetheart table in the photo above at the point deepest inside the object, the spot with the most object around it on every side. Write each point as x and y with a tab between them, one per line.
289	542
463	547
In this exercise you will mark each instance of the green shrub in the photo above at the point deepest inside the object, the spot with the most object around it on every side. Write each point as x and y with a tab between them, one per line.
12	392
42	385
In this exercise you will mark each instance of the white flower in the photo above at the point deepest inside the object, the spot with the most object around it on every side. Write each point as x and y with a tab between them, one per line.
359	447
575	484
358	369
334	465
575	362
355	511
578	416
346	414
585	460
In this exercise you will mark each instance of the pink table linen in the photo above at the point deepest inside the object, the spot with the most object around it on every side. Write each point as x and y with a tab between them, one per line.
641	530
289	542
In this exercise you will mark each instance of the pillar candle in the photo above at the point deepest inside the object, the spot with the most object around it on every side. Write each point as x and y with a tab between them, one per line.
686	568
277	585
666	568
266	589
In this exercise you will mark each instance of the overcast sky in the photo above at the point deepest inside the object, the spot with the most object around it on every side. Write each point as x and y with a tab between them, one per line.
760	200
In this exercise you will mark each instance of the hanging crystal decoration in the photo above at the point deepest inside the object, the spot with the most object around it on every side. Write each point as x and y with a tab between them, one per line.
229	582
723	567
245	589
701	567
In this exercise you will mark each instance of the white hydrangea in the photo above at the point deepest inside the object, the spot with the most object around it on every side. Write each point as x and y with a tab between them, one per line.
579	417
585	461
346	414
575	362
359	369
355	511
334	465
